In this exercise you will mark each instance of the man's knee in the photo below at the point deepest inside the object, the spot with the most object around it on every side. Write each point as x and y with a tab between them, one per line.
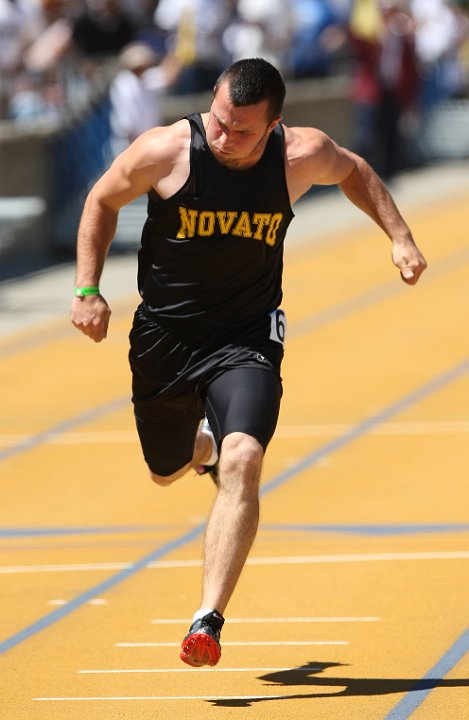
241	457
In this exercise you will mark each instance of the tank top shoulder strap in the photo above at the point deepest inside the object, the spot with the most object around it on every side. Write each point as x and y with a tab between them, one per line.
190	186
197	130
277	144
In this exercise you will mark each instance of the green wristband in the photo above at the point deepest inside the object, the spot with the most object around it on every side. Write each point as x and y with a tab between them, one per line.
83	291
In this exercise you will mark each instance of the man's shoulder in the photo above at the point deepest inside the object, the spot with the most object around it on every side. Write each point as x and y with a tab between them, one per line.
167	141
159	158
176	134
309	155
303	142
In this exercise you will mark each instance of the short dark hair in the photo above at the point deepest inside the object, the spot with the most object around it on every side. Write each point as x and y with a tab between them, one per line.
253	80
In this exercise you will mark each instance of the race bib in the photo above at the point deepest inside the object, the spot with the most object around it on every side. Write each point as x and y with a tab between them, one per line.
278	326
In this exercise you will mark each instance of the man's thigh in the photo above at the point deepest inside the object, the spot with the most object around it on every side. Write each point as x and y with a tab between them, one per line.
244	399
168	444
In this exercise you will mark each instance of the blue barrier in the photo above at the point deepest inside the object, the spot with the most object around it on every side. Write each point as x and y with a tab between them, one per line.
79	153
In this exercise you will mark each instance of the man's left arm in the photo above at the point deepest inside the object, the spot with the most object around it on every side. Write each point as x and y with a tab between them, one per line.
365	189
313	158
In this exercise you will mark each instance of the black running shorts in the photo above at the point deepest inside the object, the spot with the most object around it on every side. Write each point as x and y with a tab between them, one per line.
232	376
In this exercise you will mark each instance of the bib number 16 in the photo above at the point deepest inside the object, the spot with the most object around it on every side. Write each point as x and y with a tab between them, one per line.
278	325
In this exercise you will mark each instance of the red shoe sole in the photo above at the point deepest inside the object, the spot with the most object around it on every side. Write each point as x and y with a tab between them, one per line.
200	649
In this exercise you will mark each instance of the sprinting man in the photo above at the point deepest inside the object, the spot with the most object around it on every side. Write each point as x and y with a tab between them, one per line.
207	338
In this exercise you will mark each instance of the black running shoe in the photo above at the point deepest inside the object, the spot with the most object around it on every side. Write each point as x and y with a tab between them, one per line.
201	646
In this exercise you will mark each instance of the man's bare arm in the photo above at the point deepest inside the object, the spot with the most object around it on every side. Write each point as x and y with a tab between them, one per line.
318	160
366	190
127	178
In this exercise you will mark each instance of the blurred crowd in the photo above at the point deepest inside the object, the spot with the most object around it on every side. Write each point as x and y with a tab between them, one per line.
402	56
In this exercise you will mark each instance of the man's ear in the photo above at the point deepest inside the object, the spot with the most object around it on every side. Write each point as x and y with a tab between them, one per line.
274	124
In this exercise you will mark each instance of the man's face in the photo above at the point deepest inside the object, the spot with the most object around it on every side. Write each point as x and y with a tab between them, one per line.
237	135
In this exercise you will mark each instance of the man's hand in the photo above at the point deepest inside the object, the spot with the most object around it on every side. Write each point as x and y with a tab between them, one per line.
407	257
91	314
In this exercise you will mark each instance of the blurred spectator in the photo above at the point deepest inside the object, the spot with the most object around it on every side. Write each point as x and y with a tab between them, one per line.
461	11
17	22
141	11
315	40
17	19
194	29
399	87
261	28
33	94
365	28
136	92
61	63
103	28
53	34
34	102
342	8
385	85
439	36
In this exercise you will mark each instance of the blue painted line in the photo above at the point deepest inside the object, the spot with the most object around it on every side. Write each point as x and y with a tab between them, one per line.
64	426
97	590
351	435
370	297
419	693
373	530
344	309
368	424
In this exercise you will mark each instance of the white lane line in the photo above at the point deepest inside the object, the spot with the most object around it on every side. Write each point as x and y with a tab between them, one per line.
242	621
289	560
429	427
250	643
195	670
159	697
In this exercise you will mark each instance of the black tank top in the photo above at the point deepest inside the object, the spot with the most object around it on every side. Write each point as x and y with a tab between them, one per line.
212	254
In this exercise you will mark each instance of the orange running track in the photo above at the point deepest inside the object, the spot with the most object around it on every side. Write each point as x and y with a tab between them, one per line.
354	602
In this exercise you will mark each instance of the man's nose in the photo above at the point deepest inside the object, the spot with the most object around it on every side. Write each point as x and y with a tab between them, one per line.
225	139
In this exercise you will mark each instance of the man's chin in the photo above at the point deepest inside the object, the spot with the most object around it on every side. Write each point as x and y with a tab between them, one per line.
226	159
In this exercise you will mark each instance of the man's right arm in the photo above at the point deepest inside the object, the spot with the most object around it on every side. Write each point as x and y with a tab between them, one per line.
91	313
127	178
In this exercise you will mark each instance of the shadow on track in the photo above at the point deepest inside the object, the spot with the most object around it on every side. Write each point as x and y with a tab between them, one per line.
308	675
